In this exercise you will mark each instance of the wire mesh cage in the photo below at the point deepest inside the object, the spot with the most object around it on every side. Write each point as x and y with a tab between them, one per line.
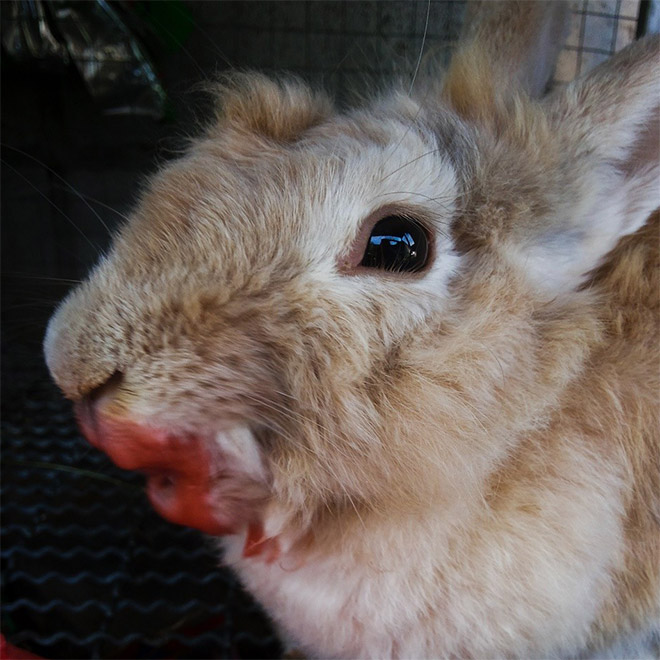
598	29
88	570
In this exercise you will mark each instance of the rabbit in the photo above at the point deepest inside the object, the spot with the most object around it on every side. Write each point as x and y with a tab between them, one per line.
402	359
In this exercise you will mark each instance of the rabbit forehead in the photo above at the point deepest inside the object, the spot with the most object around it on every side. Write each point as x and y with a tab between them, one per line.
299	207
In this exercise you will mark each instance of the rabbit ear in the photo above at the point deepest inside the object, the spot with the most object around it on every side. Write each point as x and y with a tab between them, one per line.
606	129
505	47
280	110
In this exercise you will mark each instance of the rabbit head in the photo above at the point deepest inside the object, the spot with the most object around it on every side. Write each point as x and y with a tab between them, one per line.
317	322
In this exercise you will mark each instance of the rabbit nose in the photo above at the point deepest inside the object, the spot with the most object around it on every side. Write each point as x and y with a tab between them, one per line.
106	389
86	409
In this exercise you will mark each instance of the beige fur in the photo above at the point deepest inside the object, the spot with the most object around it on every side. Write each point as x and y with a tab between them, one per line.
462	462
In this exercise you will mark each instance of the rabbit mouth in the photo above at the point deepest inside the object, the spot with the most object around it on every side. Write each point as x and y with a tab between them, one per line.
190	481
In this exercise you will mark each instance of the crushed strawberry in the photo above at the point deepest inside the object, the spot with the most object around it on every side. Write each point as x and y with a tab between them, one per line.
179	469
10	652
258	544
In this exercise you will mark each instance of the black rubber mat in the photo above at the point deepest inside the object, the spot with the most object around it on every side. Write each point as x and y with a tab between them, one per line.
88	569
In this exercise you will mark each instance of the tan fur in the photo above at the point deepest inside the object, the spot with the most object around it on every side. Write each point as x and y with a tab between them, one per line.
460	463
499	41
278	110
631	279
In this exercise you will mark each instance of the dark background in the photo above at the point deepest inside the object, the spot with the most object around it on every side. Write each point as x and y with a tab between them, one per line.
68	169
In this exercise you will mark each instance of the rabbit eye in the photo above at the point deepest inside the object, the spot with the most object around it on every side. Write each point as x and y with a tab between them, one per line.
397	244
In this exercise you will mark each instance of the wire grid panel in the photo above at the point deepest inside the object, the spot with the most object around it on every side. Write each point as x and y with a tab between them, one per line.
358	46
344	47
598	29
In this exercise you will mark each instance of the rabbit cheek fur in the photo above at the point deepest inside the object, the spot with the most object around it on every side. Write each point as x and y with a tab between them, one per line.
459	462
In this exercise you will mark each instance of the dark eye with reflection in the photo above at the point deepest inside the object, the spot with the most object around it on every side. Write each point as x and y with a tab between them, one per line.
397	244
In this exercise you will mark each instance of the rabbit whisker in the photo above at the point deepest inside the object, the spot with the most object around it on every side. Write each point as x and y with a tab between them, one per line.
50	170
421	50
329	435
410	162
96	248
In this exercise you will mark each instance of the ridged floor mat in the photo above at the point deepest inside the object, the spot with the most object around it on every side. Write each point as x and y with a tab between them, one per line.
88	569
